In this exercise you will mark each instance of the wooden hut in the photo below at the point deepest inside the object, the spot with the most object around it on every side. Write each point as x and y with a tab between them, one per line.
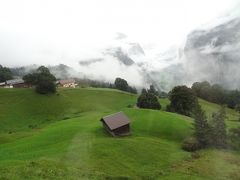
16	83
116	124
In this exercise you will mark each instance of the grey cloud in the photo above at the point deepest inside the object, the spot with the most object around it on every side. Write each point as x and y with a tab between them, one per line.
121	36
90	61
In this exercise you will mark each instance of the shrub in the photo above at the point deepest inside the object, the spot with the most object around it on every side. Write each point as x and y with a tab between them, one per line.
130	106
46	87
191	144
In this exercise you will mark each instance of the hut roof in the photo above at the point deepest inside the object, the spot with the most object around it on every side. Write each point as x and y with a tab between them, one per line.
15	81
115	121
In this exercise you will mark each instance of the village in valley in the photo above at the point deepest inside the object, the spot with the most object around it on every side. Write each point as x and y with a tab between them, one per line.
19	83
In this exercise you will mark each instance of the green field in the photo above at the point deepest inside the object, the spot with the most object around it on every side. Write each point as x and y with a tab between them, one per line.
60	137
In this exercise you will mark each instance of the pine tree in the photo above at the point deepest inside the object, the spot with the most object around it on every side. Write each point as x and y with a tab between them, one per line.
237	108
144	91
218	128
153	90
202	130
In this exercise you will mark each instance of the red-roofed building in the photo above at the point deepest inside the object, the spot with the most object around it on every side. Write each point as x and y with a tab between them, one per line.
67	83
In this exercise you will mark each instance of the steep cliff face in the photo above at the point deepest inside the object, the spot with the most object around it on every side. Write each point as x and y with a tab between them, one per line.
211	54
214	54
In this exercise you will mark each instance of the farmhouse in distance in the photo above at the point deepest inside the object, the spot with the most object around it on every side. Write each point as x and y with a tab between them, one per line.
117	124
67	83
14	83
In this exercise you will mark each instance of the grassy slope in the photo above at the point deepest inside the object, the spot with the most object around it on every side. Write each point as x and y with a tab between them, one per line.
77	147
232	115
20	108
209	108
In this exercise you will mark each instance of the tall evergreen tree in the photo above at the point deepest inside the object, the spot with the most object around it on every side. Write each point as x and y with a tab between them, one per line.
218	129
153	90
202	130
237	108
144	91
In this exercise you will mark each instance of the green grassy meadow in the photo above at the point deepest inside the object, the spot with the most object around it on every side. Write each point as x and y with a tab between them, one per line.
60	137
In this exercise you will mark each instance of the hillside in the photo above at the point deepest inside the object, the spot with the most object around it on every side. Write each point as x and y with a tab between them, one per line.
232	117
60	136
23	107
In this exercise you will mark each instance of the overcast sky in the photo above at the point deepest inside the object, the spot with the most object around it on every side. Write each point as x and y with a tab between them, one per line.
64	31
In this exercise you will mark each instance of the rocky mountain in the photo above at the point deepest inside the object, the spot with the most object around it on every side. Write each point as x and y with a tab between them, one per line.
63	71
213	54
210	54
60	71
87	62
125	53
119	55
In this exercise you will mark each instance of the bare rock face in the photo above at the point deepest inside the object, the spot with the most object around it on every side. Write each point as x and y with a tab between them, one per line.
214	54
120	56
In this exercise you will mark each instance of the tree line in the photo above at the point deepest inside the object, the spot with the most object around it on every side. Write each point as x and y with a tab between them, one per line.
216	94
122	84
208	131
5	74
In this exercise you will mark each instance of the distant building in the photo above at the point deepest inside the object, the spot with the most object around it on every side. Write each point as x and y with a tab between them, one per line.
67	83
16	83
2	84
117	124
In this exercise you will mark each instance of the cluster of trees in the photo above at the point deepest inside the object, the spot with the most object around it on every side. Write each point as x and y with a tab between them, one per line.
94	83
208	132
122	84
148	99
19	71
5	74
42	79
216	94
119	83
153	90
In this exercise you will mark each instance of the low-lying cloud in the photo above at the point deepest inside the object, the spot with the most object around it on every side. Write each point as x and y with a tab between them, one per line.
147	41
